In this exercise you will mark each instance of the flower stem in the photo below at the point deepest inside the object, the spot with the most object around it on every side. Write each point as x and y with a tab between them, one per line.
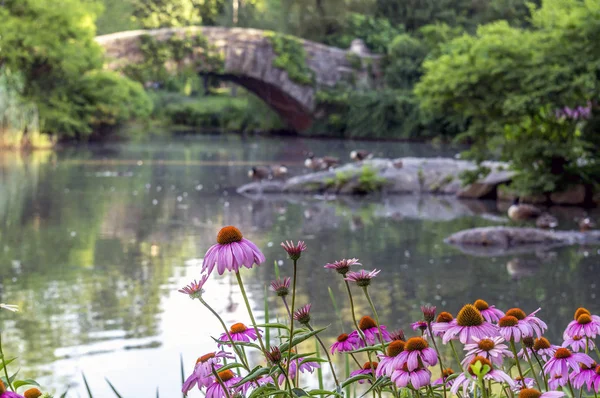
288	382
4	365
241	284
235	348
531	366
355	360
365	289
292	312
337	383
455	354
360	332
223	386
541	369
571	388
439	356
514	350
287	307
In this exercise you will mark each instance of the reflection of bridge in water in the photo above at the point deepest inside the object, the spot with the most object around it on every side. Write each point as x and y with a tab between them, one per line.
246	57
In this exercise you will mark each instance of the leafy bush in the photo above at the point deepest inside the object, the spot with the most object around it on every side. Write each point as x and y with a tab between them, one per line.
406	55
291	57
377	33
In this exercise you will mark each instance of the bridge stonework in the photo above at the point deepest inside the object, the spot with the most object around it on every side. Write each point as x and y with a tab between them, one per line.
248	59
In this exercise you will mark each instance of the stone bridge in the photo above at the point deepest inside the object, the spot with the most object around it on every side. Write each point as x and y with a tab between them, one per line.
257	60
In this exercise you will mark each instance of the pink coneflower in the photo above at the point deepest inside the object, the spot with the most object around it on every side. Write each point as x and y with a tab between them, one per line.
468	324
281	287
298	364
510	328
557	381
416	378
489	312
229	379
390	361
442	323
294	251
466	380
428	312
490	348
563	360
536	323
231	252
521	384
202	374
195	289
239	332
368	368
419	325
302	315
578	343
371	331
585	375
345	343
273	355
417	352
398	335
362	277
532	393
543	348
444	379
342	266
596	380
584	326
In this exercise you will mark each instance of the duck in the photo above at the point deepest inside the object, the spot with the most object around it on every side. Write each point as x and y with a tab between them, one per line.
259	173
546	221
397	163
324	163
586	223
279	171
358	155
519	211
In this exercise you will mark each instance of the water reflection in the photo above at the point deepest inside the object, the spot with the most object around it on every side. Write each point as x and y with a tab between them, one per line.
94	243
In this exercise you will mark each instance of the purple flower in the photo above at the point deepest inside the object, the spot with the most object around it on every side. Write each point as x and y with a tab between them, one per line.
521	384
298	364
281	287
578	343
342	266
231	252
468	324
596	380
369	328
302	315
563	360
368	368
489	312
534	322
239	332
195	289
345	343
229	379
202	374
490	348
390	361
585	375
557	381
419	325
362	277
511	329
532	393
428	312
444	379
417	353
416	378
543	348
442	323
466	380
584	326
294	251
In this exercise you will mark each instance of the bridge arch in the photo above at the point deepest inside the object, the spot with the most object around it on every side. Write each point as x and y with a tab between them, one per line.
248	57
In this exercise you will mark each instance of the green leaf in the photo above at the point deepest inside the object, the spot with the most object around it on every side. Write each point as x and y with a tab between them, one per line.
299	392
232	365
324	392
87	386
319	370
7	362
113	388
64	394
299	339
182	373
256	372
354	379
268	330
377	347
27	382
274	325
379	383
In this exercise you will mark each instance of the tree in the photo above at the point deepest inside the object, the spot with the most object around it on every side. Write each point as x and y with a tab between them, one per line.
154	14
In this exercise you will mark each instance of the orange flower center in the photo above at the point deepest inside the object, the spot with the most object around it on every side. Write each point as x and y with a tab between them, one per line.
484	361
2	387
584	319
577	338
486	345
342	337
447	372
32	393
395	348
580	311
584	367
528	342
226	375
517	313
507	321
444	317
370	365
529	393
541	344
205	357
416	344
469	316
238	328
229	234
598	370
366	323
481	305
562	353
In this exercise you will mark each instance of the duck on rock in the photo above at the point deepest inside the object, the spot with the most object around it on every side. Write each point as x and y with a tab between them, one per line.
359	155
520	211
324	163
546	221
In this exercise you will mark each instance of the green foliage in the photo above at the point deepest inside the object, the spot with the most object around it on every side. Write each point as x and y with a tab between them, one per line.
291	57
154	14
406	54
116	17
376	33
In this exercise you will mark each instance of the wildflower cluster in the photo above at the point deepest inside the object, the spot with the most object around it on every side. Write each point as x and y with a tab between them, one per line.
504	353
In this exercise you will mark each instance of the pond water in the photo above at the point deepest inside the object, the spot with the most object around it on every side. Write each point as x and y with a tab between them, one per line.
95	242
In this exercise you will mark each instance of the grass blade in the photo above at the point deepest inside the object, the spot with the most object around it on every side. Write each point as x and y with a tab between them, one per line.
276	269
267	330
319	369
182	373
336	308
113	388
87	386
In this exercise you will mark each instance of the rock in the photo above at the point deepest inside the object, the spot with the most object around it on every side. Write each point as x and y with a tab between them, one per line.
487	187
476	191
573	196
261	187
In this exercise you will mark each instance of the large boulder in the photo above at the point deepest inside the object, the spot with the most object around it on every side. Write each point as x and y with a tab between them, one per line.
575	195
